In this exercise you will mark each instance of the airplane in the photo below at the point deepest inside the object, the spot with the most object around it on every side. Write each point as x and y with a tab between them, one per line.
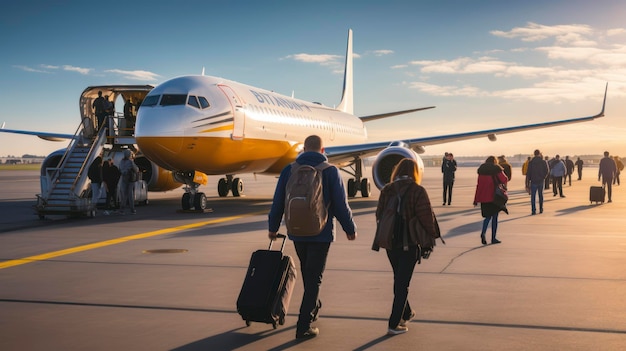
195	126
215	126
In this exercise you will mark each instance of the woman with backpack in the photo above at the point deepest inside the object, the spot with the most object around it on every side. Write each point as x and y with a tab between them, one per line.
402	251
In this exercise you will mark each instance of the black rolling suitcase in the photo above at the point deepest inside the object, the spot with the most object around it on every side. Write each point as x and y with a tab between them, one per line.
596	194
267	288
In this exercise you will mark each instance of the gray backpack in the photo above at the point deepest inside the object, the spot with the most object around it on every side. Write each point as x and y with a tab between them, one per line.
305	211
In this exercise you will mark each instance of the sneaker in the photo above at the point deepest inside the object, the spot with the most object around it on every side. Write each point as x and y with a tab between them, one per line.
404	322
307	334
397	330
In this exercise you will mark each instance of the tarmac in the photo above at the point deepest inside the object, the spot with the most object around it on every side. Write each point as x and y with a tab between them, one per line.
165	280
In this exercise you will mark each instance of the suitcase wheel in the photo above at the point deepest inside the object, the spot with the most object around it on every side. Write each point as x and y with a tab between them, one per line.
247	323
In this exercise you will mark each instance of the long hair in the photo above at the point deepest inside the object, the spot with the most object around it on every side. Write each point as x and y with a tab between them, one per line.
406	167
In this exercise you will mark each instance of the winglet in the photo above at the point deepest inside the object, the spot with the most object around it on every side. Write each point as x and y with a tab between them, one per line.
347	103
601	114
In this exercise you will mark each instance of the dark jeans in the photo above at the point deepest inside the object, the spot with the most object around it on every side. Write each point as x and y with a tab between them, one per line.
447	191
494	226
403	263
557	185
312	257
534	190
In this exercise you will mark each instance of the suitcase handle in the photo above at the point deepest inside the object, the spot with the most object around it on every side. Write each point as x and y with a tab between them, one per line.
279	236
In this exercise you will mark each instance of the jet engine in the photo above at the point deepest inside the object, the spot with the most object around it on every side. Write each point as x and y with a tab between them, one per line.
387	159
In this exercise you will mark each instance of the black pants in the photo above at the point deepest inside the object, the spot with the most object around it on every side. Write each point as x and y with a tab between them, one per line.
608	185
403	263
111	196
567	176
312	257
447	191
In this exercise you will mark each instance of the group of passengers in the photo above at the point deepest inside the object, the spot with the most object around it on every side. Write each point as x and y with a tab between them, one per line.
106	177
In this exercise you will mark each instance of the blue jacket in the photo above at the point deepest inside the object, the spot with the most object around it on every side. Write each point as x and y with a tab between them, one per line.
559	169
334	194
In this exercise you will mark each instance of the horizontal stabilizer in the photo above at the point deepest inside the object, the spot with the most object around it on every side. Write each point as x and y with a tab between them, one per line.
391	114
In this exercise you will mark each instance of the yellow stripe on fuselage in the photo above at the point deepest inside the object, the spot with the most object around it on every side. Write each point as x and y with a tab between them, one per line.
218	129
219	155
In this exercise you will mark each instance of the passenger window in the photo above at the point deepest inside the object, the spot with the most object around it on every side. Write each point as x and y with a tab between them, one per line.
203	102
192	101
150	100
173	99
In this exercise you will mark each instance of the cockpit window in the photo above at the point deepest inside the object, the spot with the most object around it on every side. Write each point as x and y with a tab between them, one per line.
192	101
173	99
151	100
203	102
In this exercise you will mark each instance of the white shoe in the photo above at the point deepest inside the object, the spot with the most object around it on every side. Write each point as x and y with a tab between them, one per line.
397	330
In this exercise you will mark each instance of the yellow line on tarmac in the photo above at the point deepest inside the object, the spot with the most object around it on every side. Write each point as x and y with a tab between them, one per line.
49	255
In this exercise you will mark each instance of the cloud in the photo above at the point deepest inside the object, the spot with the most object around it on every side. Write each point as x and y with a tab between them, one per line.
382	52
463	65
449	90
536	32
30	69
83	71
615	31
135	75
578	61
323	59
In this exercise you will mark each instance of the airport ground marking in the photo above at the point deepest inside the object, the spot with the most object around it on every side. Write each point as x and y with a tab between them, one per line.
81	248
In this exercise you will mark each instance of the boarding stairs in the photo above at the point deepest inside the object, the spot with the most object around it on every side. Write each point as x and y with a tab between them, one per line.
65	188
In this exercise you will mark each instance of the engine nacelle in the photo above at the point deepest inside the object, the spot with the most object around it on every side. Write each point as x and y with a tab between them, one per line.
158	179
387	159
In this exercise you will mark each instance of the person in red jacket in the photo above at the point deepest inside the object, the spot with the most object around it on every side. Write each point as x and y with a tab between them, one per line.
489	173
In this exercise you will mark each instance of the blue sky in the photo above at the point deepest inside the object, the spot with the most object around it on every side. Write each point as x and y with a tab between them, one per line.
484	64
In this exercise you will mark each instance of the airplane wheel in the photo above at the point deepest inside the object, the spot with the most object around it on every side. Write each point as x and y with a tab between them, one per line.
199	201
186	201
222	187
365	188
237	187
351	187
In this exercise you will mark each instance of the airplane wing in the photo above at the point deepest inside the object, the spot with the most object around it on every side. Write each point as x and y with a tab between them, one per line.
348	153
42	135
390	114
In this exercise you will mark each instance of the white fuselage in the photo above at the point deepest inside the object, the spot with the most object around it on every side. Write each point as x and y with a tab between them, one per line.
243	129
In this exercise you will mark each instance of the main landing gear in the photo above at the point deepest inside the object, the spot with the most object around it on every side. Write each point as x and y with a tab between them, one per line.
358	183
230	184
192	198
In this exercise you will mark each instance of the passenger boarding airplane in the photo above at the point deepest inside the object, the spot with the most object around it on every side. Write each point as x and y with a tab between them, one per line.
196	126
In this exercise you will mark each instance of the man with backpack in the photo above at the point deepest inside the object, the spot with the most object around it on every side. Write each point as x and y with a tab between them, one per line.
325	203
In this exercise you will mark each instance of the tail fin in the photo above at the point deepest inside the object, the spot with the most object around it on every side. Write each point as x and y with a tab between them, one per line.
347	102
